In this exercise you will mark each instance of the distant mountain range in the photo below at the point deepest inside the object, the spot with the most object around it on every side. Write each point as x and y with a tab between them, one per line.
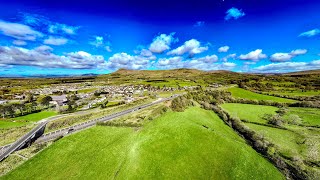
46	75
161	73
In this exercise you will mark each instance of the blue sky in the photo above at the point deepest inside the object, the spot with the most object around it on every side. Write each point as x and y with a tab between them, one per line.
71	37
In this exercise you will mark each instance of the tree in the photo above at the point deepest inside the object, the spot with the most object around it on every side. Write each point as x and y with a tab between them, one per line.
44	100
2	110
29	98
8	109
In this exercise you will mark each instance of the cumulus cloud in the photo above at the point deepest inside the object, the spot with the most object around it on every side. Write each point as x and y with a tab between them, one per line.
233	56
203	63
146	53
56	41
288	66
124	60
281	57
229	65
191	47
253	55
19	42
57	28
234	13
42	56
224	49
208	59
99	42
19	31
310	33
199	24
298	52
162	43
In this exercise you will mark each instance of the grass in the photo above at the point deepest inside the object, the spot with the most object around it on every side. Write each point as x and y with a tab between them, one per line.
36	116
24	120
87	90
245	94
249	112
309	116
194	144
287	141
292	142
296	92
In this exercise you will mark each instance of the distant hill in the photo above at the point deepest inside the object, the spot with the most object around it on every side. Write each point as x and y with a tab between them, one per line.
304	72
157	73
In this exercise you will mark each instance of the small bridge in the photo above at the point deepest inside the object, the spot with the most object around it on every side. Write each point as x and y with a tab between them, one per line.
24	141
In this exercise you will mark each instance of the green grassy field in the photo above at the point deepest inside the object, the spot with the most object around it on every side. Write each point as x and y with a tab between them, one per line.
249	112
27	119
294	92
286	140
194	144
310	116
293	142
245	94
87	90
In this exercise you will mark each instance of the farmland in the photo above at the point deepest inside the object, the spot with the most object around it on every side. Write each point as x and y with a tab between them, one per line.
245	94
294	141
164	148
24	120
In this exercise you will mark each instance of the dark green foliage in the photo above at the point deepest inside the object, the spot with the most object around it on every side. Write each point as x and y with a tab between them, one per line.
180	103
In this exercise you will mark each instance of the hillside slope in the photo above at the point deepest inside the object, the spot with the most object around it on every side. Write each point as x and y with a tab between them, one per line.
194	144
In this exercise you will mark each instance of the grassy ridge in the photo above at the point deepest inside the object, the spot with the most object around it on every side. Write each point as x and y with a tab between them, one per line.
194	144
245	94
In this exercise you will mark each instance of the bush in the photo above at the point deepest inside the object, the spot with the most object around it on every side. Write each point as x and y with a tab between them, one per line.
274	119
180	103
294	119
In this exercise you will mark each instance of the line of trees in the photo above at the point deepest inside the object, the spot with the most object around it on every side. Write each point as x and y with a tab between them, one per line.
29	105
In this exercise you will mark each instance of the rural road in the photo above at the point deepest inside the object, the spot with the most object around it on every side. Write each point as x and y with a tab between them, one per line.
20	142
61	132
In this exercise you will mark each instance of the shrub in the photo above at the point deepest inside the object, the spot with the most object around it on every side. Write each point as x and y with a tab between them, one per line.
274	119
294	119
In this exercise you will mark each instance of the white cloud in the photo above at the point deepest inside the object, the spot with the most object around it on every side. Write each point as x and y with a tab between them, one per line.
42	56
19	31
191	47
162	43
298	52
58	28
288	66
229	65
99	42
234	13
108	48
310	33
203	63
124	60
224	49
56	41
208	59
281	57
253	55
146	53
19	43
225	59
